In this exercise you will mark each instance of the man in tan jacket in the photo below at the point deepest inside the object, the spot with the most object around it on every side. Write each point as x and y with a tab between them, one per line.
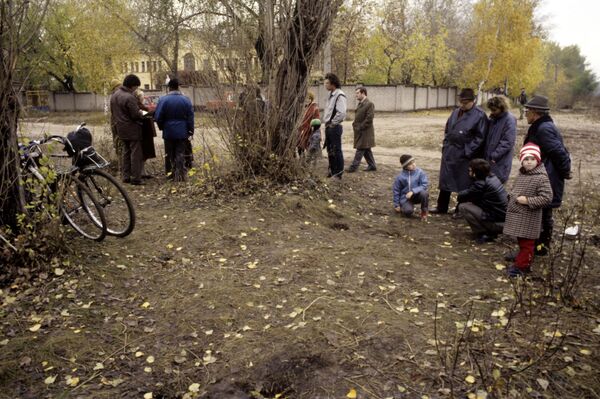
364	132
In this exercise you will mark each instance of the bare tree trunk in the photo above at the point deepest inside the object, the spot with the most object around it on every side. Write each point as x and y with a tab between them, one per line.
306	34
19	25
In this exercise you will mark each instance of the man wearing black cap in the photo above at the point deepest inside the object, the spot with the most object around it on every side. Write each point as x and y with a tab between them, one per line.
126	120
555	158
463	141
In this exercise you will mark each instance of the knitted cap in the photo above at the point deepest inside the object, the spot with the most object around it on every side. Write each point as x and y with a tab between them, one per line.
315	122
530	149
405	160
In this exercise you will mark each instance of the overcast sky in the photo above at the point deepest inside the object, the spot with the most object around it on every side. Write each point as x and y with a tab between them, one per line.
575	22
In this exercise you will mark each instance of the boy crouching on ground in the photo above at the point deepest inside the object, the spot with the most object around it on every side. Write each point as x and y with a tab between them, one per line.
530	193
483	204
410	187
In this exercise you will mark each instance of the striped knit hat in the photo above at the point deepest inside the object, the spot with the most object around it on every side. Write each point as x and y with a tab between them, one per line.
530	149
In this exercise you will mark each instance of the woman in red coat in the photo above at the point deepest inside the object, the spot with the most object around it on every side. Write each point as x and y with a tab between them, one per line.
311	111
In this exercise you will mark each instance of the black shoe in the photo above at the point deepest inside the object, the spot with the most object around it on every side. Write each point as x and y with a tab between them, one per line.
370	169
437	211
351	170
541	250
511	256
147	177
127	180
457	215
137	183
482	239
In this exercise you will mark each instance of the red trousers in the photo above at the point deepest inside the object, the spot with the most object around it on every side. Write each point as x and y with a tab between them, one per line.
525	255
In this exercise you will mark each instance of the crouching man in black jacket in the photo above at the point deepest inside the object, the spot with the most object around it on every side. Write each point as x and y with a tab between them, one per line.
483	204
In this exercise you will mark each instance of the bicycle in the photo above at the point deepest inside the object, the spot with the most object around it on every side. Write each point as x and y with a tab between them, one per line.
87	164
44	187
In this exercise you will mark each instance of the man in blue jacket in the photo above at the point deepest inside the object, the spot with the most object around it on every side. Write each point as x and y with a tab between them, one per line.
555	158
175	117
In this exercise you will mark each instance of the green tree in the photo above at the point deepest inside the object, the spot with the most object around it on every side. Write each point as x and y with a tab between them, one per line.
81	45
349	37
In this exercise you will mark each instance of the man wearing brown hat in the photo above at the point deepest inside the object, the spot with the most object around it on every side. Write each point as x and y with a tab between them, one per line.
555	158
463	141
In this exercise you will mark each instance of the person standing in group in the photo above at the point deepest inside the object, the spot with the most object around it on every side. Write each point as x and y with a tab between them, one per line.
126	119
114	86
463	141
335	113
555	158
364	132
522	99
148	133
311	111
174	115
530	193
500	137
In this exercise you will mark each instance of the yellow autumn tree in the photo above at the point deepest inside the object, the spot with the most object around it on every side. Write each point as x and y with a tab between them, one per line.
507	47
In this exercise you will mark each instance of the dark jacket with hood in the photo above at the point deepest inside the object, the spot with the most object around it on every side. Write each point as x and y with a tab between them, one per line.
125	116
555	156
488	194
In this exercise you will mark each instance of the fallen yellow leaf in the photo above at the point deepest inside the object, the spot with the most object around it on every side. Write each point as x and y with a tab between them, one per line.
470	379
351	394
35	327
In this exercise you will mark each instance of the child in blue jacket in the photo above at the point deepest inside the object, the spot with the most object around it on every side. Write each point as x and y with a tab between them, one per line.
410	187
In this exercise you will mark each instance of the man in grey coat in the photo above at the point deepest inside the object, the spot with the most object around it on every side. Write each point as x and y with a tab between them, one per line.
463	140
126	120
364	132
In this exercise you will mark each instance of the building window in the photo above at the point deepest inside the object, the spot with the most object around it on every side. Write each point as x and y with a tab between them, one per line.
154	66
160	68
137	66
206	64
143	66
189	62
132	67
146	87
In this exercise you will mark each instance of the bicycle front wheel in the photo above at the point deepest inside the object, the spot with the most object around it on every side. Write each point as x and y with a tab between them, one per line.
81	210
117	206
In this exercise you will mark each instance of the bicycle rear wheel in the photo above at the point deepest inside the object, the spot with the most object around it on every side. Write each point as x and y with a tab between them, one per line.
112	197
81	210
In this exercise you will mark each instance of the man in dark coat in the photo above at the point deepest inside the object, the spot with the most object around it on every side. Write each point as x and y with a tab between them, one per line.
500	138
364	132
174	115
463	141
555	158
126	120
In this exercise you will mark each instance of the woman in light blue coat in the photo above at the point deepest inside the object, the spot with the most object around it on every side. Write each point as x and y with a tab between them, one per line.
500	137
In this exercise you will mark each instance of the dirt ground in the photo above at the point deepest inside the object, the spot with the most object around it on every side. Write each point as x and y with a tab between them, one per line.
313	290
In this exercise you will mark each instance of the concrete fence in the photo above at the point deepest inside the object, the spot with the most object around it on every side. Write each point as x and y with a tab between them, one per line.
386	98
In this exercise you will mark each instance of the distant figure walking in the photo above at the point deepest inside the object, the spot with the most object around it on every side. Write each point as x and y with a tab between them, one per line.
335	113
364	132
464	137
500	138
175	117
522	101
